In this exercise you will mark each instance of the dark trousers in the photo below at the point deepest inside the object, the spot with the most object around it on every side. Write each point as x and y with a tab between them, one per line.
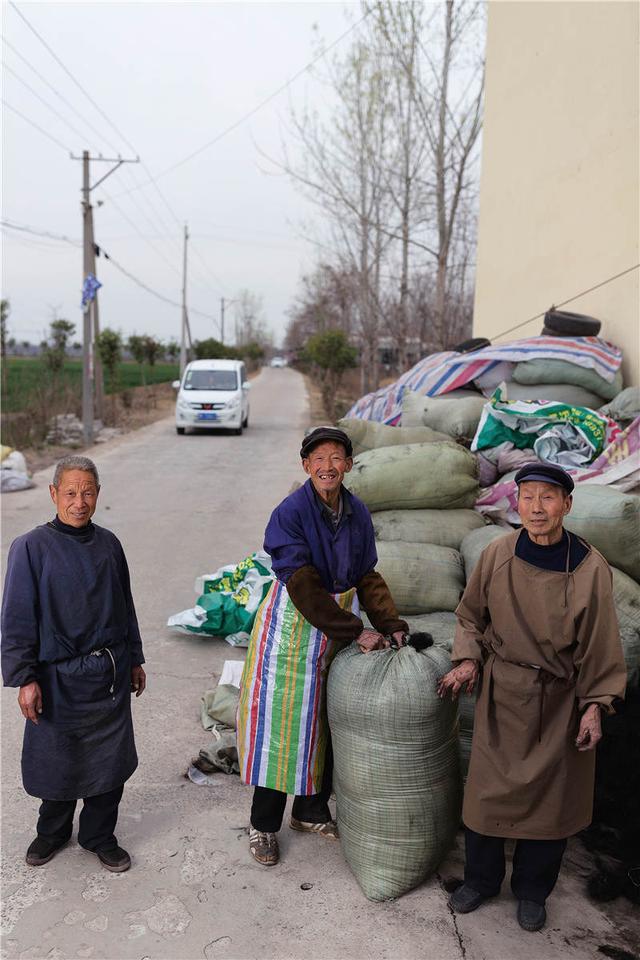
536	865
98	819
267	808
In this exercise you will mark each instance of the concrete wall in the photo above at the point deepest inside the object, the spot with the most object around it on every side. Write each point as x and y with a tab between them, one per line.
559	201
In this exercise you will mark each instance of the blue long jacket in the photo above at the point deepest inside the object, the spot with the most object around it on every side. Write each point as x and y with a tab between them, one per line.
299	534
68	622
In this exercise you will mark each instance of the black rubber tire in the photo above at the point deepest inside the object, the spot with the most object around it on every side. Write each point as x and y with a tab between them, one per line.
469	346
180	431
245	422
561	323
238	431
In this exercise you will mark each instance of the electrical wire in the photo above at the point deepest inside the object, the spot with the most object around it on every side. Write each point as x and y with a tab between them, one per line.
259	106
60	95
23	228
71	76
32	123
564	303
42	100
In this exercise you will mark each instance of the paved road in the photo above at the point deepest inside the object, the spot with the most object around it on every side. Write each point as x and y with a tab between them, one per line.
183	506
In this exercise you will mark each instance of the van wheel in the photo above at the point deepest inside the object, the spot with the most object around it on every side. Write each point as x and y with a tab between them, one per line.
245	422
180	430
238	431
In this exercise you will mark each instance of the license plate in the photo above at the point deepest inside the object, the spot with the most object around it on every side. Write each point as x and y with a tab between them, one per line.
207	416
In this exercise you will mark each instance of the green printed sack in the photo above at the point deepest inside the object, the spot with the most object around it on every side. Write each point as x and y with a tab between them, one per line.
559	433
228	601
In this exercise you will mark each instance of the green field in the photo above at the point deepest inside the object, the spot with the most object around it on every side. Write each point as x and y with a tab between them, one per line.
25	374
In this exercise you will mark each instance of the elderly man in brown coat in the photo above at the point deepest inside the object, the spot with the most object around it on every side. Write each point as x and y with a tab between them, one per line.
537	626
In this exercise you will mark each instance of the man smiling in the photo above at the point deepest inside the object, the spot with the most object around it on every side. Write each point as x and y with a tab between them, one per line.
71	643
321	543
538	626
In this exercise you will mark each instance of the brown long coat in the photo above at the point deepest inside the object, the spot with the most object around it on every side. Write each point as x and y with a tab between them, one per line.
526	776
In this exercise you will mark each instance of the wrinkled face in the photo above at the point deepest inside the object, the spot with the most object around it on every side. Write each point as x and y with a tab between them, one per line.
326	465
542	507
76	497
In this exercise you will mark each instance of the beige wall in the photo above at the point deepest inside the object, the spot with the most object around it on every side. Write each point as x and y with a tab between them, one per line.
559	203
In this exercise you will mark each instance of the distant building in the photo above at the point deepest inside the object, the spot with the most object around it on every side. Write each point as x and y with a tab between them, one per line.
559	203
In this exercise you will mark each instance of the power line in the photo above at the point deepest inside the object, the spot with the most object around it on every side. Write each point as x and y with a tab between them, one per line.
576	296
258	107
40	233
43	101
71	76
32	123
60	96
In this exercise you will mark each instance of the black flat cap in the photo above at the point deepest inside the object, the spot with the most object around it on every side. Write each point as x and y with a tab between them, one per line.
324	435
545	473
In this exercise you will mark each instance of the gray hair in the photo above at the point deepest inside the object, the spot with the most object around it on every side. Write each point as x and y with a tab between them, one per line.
75	462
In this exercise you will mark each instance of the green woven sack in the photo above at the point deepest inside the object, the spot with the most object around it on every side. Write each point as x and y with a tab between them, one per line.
610	521
457	417
441	625
369	435
475	542
431	476
444	528
421	577
626	595
561	371
397	774
568	393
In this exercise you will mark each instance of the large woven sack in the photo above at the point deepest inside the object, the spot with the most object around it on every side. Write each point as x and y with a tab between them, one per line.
456	417
561	392
475	542
444	528
369	435
561	371
421	577
625	407
441	624
396	774
432	476
610	521
626	595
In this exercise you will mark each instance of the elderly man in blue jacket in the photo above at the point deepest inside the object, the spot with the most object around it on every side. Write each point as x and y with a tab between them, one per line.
71	643
322	546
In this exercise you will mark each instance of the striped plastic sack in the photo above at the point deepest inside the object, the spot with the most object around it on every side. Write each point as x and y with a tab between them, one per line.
282	724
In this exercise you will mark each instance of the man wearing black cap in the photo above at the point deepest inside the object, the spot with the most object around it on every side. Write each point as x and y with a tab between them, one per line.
537	625
321	542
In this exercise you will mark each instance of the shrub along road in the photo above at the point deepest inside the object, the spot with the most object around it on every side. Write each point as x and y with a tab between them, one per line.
183	506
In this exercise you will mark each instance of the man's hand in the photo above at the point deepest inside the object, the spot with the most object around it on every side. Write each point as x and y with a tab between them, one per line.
453	682
590	732
138	680
30	701
398	636
370	640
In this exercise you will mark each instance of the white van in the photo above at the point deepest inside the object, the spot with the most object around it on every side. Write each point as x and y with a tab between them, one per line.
213	394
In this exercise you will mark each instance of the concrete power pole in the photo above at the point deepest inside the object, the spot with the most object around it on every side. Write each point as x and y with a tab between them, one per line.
97	364
90	327
185	319
222	320
87	346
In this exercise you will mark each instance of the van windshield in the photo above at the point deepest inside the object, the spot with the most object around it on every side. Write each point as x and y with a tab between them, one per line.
211	380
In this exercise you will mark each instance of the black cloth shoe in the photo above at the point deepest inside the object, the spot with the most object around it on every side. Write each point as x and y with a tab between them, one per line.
531	916
465	899
42	850
115	859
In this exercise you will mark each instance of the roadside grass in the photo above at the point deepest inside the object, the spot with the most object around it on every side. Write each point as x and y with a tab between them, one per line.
25	376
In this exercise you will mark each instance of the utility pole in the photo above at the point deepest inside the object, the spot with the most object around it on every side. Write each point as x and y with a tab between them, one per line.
97	364
185	319
222	321
90	315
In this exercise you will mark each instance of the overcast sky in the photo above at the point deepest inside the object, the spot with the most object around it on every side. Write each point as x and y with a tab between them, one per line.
170	77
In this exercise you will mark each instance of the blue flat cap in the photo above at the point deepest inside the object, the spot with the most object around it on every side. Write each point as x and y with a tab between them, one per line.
545	473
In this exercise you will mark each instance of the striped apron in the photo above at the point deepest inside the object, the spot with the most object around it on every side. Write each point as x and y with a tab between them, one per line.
282	720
